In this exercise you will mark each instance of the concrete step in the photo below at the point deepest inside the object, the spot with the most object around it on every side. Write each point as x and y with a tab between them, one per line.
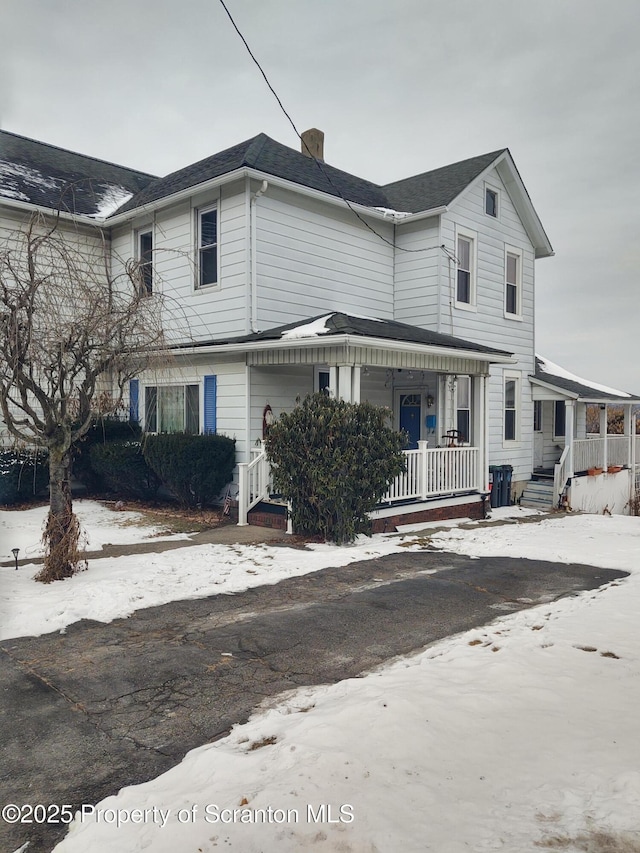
538	495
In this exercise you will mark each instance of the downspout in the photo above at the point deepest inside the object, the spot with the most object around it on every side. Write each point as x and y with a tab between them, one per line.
253	282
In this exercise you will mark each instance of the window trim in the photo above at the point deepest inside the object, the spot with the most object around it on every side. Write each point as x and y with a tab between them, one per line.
516	252
472	238
488	188
146	286
199	213
510	376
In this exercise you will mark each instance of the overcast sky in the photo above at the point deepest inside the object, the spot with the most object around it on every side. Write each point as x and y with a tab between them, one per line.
399	87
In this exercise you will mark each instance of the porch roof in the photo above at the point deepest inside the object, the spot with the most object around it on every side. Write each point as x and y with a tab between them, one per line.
326	326
568	386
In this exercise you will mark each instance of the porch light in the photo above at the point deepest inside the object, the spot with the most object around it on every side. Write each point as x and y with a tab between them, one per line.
15	552
411	375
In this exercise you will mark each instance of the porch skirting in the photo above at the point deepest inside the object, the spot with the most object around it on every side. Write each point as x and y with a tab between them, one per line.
386	519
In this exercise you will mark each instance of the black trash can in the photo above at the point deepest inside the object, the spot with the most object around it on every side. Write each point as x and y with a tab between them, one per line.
495	478
507	473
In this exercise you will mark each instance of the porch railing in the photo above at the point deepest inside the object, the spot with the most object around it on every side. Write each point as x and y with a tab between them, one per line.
436	471
253	483
589	452
430	472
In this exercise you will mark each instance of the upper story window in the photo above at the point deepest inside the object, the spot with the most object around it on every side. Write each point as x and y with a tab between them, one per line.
465	273
491	202
145	261
513	282
207	247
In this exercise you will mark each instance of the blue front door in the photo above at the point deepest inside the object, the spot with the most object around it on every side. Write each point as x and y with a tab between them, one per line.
410	417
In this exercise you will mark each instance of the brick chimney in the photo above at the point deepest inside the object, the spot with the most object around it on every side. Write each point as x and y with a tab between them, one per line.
313	143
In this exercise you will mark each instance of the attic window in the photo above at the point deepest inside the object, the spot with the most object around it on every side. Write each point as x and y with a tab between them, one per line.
490	202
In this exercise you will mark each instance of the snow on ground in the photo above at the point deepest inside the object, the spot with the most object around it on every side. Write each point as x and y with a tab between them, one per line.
114	587
103	526
514	735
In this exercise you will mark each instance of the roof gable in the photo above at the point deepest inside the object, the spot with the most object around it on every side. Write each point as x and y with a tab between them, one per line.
439	187
54	178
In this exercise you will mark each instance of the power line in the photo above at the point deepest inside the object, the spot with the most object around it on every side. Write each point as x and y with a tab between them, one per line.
318	163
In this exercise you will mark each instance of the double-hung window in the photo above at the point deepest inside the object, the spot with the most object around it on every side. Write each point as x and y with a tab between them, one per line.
511	405
465	272
145	261
207	247
513	282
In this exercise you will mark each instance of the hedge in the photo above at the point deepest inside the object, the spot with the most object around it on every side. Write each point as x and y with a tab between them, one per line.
194	467
23	474
121	466
101	432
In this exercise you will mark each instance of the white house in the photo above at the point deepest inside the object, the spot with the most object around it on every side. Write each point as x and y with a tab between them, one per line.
285	275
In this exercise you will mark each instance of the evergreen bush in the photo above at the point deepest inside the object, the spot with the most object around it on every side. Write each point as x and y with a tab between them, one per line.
102	431
194	467
24	473
334	462
122	468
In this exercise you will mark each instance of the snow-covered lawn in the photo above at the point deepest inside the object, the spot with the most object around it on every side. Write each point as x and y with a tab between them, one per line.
516	737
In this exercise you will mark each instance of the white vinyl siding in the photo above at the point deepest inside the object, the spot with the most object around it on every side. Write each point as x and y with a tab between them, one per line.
313	258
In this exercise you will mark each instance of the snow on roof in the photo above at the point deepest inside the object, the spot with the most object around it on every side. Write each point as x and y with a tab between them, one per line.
111	200
552	369
309	330
391	213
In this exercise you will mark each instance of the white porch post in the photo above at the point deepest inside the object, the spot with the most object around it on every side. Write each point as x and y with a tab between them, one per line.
480	432
355	385
604	429
422	468
345	382
628	430
333	381
569	429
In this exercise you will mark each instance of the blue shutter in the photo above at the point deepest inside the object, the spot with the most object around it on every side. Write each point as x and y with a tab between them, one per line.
210	403
134	395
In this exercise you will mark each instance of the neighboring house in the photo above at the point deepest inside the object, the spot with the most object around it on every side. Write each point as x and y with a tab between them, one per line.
284	275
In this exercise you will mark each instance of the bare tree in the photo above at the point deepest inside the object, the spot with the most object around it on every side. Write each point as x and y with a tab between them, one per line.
71	337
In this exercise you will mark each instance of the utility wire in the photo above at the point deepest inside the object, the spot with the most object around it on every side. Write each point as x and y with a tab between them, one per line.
318	163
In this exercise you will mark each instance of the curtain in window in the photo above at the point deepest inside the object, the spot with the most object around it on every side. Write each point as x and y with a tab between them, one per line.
171	408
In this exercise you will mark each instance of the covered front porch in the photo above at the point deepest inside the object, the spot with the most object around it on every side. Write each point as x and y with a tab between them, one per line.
434	386
579	461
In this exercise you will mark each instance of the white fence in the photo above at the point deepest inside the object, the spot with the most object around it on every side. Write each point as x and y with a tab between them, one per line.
253	483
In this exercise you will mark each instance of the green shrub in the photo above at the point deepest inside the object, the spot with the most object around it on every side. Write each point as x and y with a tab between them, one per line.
194	467
102	431
23	474
121	466
334	462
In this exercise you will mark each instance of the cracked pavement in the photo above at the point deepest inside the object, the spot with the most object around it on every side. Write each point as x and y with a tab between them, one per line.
102	706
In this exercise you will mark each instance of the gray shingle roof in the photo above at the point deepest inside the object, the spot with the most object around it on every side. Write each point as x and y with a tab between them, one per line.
55	178
438	187
422	192
346	324
581	388
265	155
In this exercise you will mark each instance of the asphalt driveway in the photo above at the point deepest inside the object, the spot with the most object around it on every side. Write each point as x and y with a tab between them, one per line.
103	706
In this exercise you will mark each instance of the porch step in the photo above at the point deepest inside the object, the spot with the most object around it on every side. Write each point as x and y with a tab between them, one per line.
538	494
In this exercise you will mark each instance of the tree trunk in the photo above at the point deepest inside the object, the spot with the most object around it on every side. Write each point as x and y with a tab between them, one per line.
62	532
